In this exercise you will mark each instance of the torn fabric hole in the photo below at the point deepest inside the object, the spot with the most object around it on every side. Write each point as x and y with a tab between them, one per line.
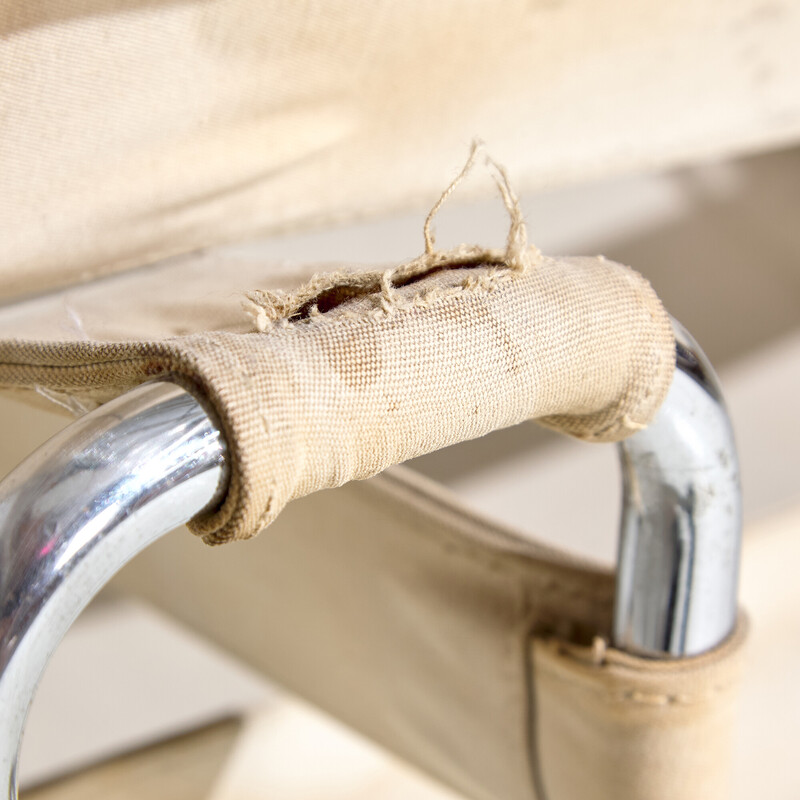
325	293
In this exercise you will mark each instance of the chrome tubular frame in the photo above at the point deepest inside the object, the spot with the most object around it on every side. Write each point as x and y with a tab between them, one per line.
80	508
680	536
116	480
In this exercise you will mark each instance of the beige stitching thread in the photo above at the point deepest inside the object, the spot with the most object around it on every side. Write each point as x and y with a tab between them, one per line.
628	696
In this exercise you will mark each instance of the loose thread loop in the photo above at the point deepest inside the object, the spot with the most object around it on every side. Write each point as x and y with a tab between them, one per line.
517	241
477	145
327	291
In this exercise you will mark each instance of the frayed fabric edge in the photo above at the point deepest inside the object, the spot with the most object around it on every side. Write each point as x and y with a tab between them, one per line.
327	291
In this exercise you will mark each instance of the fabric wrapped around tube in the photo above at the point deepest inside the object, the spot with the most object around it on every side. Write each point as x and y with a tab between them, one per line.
356	371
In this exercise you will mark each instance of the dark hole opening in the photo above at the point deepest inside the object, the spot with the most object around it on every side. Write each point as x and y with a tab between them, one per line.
331	298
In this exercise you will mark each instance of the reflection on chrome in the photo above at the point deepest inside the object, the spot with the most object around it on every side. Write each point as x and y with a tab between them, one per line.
680	536
80	508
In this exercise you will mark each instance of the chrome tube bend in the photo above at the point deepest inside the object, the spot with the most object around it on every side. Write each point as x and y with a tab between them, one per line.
81	507
681	524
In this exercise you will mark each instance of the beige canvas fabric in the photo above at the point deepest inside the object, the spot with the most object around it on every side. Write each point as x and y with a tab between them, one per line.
650	730
457	644
131	130
359	370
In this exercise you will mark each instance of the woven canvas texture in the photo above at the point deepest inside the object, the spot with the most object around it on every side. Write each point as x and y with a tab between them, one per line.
314	401
355	371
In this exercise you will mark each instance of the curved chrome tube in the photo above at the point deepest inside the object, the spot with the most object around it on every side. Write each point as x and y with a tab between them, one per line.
122	476
80	508
680	537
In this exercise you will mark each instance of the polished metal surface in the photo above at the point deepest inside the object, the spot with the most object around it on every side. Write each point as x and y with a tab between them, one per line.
680	537
81	507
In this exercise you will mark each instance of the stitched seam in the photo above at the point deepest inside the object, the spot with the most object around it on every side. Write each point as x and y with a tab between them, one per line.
634	696
519	618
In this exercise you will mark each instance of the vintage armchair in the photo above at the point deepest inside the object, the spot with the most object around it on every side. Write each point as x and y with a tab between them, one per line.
137	137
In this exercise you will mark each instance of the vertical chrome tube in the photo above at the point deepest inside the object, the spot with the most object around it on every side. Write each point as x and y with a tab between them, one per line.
80	508
680	537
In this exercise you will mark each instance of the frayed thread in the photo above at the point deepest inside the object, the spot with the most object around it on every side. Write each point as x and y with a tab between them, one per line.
327	291
517	241
64	399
